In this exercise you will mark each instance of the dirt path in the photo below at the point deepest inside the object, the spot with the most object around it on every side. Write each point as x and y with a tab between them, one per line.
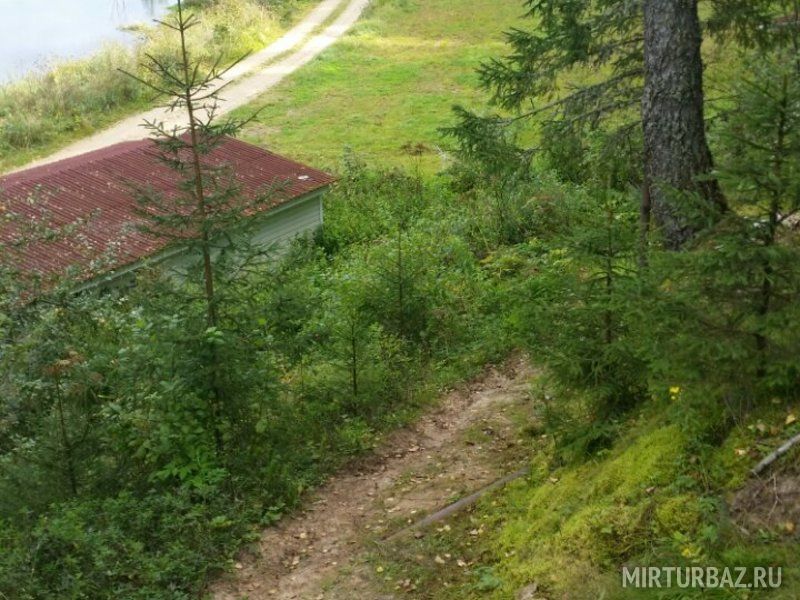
259	73
321	554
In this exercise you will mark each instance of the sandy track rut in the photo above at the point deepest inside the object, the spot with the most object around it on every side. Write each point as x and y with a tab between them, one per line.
241	84
320	554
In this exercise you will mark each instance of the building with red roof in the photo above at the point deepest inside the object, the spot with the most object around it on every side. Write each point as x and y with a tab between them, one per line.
92	200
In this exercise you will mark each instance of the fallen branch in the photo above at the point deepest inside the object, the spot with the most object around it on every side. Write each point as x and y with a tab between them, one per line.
771	458
458	505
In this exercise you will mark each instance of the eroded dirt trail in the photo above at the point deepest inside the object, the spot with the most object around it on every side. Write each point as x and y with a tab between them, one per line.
469	441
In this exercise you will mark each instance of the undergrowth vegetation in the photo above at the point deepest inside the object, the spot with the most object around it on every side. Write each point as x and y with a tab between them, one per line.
666	375
649	498
342	337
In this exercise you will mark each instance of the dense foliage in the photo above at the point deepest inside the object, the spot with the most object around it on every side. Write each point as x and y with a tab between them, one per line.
322	347
124	475
668	373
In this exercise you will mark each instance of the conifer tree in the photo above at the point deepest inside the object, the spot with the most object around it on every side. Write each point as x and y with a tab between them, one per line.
649	53
209	205
209	202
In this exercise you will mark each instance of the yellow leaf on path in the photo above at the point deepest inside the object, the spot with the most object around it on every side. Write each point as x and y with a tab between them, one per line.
740	451
791	418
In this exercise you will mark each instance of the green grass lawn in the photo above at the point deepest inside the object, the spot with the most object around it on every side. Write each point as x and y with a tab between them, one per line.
388	85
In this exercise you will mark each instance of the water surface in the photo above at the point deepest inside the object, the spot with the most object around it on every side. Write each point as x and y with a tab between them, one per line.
35	32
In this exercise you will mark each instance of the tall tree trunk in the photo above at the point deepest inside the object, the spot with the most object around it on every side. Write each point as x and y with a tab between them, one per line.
676	150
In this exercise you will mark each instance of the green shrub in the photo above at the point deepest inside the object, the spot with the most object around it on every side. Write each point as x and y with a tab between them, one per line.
162	545
113	483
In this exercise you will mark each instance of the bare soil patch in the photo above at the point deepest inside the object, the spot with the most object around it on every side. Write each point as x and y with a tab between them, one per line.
769	503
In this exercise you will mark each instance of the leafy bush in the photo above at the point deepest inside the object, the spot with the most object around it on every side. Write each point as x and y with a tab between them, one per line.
120	478
157	545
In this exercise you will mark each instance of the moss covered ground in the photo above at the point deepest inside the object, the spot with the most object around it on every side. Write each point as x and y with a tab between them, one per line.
652	499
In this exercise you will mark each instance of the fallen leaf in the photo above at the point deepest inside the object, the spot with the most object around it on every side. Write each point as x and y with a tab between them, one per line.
789	526
741	451
791	418
439	560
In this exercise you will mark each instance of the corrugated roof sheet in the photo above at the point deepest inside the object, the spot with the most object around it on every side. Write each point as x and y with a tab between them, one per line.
92	197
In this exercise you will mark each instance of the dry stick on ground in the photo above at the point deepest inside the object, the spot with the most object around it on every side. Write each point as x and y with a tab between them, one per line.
460	504
771	458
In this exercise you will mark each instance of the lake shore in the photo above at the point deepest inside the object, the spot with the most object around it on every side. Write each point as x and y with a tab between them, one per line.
34	39
46	110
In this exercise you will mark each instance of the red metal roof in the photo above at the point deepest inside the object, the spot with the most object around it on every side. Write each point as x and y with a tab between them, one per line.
97	191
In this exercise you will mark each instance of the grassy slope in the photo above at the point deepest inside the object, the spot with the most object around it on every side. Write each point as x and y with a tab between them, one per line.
392	82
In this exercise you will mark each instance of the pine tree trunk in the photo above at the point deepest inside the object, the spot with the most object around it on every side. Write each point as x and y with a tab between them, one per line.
676	150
